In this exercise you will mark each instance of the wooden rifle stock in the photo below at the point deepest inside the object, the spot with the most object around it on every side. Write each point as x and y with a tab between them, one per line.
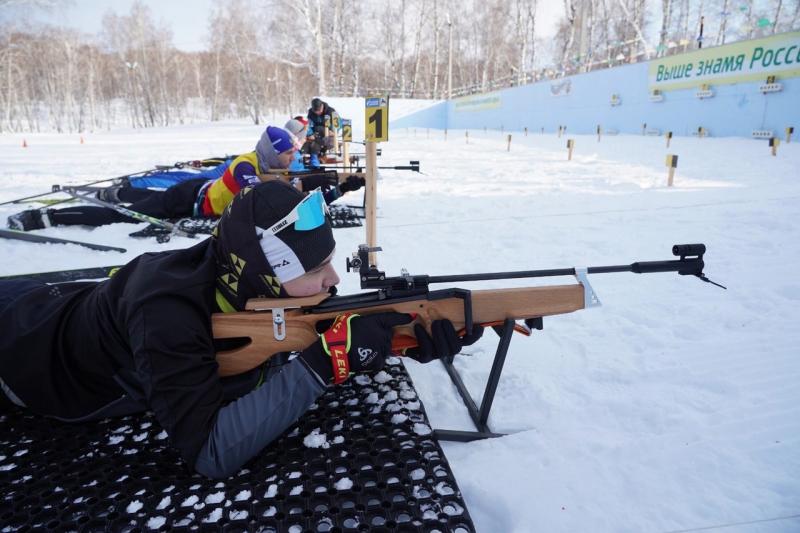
300	317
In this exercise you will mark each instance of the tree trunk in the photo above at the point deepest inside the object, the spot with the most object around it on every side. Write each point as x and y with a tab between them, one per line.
666	15
723	25
777	16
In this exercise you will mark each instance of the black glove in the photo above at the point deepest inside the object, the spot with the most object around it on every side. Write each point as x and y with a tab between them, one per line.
443	342
323	180
352	183
370	344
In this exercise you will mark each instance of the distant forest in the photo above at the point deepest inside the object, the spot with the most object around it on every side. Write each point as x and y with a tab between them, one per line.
274	55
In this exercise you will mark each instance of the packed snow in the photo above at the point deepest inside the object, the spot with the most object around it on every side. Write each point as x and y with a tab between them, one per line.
672	407
344	484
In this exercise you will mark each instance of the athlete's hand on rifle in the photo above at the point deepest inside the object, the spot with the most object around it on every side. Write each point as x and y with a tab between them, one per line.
352	183
353	343
443	341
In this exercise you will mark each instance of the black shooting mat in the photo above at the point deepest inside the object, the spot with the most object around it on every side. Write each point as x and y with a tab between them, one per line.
362	459
343	216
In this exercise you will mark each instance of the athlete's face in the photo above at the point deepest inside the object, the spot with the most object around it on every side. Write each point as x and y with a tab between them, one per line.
314	281
285	158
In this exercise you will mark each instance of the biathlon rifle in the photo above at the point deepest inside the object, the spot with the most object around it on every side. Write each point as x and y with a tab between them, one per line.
352	169
269	326
412	166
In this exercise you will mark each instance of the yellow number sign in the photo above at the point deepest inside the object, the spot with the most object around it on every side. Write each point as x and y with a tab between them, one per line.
347	130
377	119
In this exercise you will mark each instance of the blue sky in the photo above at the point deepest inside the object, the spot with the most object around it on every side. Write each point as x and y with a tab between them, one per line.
187	18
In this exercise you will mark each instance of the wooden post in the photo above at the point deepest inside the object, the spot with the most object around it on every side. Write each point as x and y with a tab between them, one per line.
466	136
509	143
773	144
599	131
346	155
789	132
526	131
335	132
668	135
445	134
570	146
370	198
644	128
672	164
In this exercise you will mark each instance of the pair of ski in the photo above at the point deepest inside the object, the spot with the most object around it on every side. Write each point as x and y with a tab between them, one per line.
161	229
87	192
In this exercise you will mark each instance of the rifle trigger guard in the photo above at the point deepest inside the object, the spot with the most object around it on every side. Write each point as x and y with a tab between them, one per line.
278	324
590	298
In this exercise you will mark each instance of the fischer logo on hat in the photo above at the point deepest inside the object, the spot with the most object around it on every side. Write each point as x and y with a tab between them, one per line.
281	139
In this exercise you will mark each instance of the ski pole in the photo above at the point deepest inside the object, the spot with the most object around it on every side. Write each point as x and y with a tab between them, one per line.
32	237
172	228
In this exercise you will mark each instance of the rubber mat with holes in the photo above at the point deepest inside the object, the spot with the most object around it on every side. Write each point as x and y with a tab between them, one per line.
362	459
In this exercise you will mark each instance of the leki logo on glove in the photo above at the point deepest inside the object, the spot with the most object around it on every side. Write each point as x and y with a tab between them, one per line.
365	354
336	342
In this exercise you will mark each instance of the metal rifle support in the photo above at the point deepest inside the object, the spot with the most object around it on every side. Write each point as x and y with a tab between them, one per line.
690	264
480	417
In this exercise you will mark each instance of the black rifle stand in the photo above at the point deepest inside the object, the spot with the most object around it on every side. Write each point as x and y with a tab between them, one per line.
481	417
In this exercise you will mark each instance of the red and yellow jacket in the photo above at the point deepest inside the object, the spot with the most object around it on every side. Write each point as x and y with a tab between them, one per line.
242	172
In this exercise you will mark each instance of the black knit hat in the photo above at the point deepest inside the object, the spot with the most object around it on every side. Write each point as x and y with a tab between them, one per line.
252	262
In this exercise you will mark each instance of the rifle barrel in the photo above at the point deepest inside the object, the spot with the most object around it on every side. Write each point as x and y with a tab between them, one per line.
691	266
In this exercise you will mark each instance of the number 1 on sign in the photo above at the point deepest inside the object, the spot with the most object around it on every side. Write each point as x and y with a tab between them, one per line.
377	119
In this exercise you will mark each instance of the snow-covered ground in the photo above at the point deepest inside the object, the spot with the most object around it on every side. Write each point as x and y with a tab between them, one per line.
674	407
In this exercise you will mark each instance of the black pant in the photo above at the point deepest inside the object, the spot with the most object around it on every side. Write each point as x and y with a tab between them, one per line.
10	290
176	202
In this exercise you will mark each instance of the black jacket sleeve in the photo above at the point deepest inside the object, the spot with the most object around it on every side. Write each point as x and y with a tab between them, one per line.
174	361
